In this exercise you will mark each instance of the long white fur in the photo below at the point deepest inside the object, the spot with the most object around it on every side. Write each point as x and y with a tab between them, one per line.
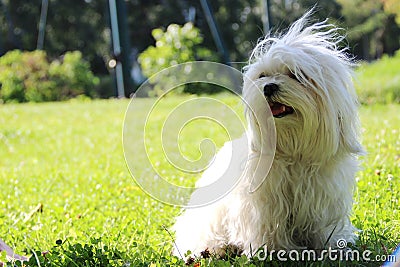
306	199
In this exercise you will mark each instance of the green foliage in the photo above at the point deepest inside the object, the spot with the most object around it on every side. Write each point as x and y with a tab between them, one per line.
178	44
80	27
392	7
29	77
68	156
379	81
175	45
369	28
24	77
370	24
95	253
72	76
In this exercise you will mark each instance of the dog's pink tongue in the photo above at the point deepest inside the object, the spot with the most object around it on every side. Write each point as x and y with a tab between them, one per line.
277	109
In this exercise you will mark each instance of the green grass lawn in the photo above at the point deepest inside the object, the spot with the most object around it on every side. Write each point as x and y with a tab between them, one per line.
68	159
379	81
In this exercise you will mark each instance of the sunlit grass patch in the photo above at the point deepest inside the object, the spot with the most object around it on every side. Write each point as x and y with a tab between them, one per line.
379	81
68	157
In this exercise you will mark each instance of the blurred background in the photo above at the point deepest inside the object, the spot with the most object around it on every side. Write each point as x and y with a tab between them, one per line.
107	48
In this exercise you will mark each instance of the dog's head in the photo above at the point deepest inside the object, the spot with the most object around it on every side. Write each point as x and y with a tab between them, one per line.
307	82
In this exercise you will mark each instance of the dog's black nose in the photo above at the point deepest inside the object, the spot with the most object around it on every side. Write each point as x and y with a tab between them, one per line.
270	89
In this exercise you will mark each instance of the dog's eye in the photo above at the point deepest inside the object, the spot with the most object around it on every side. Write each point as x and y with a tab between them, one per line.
262	75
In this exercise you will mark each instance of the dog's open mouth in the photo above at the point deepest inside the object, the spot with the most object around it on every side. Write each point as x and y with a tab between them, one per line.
280	110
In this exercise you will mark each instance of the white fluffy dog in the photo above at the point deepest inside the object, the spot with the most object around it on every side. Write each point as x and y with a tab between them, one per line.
306	198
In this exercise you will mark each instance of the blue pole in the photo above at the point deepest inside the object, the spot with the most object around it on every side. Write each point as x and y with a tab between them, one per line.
116	48
42	24
215	32
266	16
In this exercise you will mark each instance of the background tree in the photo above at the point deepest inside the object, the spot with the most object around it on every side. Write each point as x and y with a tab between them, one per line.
84	25
71	25
392	7
369	28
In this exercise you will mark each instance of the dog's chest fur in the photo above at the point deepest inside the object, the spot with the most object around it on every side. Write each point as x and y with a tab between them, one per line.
291	207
